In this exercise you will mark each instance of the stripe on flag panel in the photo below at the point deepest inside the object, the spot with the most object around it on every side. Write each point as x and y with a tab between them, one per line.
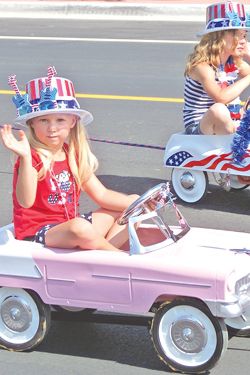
215	11
223	10
30	88
59	87
67	87
241	10
40	87
230	7
72	89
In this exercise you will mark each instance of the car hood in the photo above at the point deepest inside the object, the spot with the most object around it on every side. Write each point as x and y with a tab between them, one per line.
204	253
217	240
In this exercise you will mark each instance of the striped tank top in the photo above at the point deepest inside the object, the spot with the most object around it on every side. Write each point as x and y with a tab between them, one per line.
196	102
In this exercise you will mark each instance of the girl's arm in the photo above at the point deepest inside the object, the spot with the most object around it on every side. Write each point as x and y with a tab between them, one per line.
27	175
26	182
106	198
244	69
204	74
246	55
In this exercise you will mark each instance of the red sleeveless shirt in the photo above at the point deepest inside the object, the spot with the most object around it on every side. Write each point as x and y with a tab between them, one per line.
57	199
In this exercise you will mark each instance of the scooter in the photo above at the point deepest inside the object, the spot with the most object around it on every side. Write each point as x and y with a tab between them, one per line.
192	157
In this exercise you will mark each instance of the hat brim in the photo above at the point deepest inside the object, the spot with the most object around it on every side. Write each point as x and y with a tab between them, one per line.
85	116
208	31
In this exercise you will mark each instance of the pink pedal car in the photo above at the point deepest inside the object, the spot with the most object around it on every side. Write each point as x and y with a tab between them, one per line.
192	157
195	282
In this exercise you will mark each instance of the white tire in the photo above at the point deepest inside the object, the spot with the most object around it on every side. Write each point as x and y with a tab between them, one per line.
24	319
189	186
187	337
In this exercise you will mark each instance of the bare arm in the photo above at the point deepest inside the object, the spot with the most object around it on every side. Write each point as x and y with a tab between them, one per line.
27	175
107	198
246	55
244	68
204	74
26	183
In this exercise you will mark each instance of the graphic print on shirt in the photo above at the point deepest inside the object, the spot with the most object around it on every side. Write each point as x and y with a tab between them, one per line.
60	185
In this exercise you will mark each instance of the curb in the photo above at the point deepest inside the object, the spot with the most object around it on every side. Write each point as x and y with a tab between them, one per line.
103	10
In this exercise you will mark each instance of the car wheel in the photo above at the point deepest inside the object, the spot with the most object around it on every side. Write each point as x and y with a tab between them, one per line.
24	319
187	337
190	186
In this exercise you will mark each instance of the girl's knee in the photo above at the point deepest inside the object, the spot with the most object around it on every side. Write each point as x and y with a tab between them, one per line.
220	119
219	110
79	228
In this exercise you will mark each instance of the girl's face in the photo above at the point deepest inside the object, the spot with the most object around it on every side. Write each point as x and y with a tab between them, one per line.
235	42
53	129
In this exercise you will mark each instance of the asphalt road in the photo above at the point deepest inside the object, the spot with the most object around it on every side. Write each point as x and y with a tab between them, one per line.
148	62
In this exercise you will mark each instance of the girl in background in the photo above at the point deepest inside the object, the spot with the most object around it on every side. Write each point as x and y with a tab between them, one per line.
217	72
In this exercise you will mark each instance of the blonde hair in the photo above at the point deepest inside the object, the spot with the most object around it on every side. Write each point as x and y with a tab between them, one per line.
209	50
82	161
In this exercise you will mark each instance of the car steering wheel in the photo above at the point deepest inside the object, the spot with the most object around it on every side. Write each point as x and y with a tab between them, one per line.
153	199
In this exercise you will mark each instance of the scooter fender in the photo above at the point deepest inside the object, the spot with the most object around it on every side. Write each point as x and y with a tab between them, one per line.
210	153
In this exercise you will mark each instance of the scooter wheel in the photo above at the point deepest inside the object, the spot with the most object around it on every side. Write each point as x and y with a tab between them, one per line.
235	184
189	186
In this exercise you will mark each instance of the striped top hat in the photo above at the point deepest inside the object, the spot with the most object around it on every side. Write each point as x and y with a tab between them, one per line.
47	95
226	16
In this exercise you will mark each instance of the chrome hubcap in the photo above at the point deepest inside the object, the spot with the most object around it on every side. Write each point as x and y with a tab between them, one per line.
187	181
188	335
16	314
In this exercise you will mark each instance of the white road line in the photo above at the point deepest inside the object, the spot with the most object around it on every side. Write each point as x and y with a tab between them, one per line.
99	40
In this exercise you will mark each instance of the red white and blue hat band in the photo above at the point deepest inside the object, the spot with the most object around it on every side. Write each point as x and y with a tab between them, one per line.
47	95
59	95
65	88
226	16
216	11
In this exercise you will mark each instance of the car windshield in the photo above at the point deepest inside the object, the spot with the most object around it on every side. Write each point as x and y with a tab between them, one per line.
169	220
161	224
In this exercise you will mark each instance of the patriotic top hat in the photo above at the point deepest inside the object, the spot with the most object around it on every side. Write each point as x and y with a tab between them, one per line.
226	16
47	95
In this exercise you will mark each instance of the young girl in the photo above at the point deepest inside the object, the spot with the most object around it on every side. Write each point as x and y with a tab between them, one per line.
216	73
54	164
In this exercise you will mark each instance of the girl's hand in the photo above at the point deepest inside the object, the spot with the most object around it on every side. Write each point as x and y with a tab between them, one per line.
20	146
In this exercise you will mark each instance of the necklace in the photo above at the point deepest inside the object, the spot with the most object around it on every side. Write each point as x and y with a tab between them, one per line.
62	193
228	73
